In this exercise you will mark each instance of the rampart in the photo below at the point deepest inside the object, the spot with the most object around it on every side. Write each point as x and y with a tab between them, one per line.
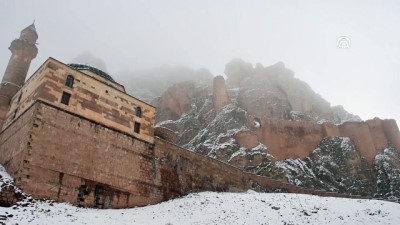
290	139
297	139
68	158
166	134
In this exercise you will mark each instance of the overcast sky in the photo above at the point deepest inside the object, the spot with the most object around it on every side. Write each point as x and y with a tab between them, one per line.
302	34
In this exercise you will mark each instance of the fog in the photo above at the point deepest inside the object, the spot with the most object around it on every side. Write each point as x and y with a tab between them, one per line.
135	35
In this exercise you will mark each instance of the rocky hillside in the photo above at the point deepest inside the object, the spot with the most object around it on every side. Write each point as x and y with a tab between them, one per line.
268	122
148	84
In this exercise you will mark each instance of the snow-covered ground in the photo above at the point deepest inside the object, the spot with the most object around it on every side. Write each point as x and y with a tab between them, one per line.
214	208
217	208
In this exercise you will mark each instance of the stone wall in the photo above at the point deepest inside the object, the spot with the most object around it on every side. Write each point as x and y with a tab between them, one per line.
68	158
76	160
166	134
297	139
15	143
91	98
392	132
182	171
289	139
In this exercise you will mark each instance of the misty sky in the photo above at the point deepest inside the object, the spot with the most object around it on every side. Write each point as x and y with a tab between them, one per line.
302	34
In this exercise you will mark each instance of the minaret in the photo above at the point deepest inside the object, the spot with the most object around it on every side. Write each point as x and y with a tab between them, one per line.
23	50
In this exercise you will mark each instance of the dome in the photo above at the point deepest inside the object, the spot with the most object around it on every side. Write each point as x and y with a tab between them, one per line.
92	69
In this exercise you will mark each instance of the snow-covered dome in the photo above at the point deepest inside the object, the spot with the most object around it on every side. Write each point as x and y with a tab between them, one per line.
92	69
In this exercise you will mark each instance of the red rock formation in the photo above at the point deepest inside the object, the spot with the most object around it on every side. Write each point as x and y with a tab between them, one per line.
360	134
247	139
289	139
330	130
297	139
172	104
220	94
392	132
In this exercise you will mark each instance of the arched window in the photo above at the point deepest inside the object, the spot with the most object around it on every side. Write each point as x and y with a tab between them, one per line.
138	111
70	81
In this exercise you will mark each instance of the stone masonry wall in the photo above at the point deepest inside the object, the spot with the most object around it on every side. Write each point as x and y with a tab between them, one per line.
89	98
166	134
182	171
297	139
289	139
68	158
78	161
15	143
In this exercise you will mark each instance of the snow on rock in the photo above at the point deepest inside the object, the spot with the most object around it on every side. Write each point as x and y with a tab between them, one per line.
9	193
216	208
230	120
334	165
340	115
210	208
5	178
387	170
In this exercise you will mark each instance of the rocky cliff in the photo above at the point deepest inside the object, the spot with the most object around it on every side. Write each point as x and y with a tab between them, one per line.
266	121
149	83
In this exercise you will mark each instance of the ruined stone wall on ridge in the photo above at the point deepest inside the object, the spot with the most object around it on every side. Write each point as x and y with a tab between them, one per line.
297	139
392	132
289	139
372	136
181	171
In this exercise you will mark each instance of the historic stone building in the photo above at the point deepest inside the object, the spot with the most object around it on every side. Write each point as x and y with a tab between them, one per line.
71	133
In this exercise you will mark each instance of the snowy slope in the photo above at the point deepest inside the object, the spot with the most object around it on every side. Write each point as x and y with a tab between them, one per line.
210	208
218	208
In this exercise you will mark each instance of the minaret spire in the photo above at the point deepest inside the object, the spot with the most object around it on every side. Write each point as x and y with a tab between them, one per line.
23	50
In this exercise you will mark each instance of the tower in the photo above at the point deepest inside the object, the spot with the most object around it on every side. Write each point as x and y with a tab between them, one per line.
220	94
23	50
